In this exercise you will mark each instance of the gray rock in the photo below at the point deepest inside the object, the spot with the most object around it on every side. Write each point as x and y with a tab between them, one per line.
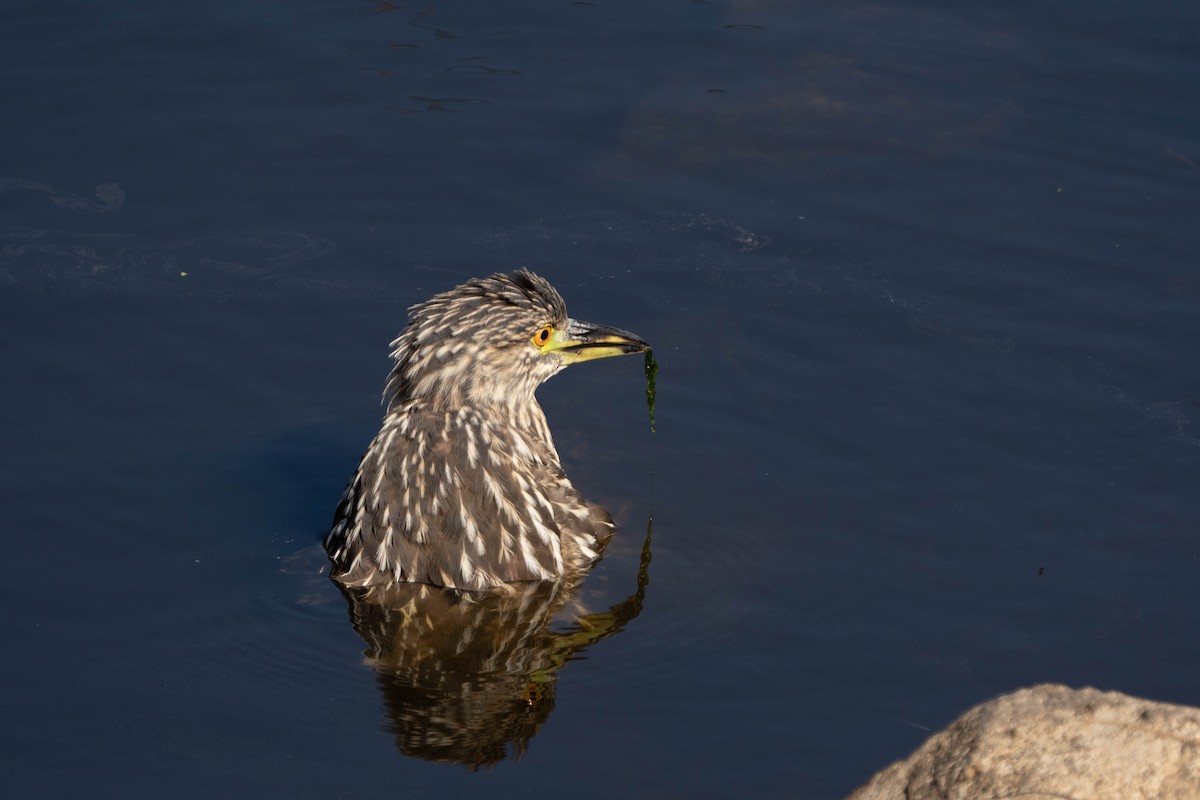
1053	742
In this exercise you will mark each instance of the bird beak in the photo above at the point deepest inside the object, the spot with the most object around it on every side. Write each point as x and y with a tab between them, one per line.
583	341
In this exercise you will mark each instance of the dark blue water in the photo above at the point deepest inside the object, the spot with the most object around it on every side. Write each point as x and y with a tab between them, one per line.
922	281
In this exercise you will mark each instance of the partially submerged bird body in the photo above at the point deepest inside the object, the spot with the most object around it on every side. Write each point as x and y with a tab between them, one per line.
437	500
462	487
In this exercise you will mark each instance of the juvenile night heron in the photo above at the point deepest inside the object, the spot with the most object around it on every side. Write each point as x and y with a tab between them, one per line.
462	486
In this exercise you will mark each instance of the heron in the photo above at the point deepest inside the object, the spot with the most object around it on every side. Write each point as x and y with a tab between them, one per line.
462	487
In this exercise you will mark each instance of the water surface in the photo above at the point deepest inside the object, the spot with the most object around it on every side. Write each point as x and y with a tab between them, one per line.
921	282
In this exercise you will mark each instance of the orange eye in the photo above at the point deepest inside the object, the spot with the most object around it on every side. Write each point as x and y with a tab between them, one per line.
541	337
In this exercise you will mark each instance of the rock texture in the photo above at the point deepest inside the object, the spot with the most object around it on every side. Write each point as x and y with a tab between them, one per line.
1053	742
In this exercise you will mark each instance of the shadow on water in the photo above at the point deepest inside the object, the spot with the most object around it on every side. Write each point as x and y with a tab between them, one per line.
469	678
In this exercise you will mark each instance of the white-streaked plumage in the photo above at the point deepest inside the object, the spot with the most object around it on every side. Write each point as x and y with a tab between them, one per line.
462	487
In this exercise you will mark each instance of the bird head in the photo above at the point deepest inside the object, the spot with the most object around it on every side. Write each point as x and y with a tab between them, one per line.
492	341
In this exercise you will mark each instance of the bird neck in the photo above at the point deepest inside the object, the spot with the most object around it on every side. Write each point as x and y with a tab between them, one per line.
505	396
526	416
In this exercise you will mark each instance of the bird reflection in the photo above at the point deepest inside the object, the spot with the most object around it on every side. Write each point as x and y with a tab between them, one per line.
469	677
